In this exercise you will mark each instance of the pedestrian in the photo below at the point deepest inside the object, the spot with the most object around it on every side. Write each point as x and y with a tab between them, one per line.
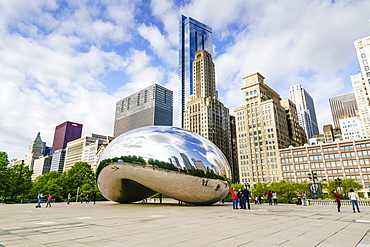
81	198
269	197
259	199
240	199
206	183
39	200
274	197
353	197
203	181
255	200
246	194
48	203
160	198
87	198
337	199
299	200
234	198
94	197
69	198
304	198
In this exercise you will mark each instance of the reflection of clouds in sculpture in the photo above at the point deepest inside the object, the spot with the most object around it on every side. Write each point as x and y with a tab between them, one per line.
162	143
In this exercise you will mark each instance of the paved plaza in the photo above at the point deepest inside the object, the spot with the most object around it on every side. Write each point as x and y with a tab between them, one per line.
168	224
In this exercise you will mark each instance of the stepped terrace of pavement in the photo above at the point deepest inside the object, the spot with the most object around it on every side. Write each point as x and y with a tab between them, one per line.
170	224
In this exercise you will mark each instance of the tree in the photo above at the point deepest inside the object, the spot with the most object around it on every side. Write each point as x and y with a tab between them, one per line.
4	179
259	189
20	182
50	183
347	184
79	175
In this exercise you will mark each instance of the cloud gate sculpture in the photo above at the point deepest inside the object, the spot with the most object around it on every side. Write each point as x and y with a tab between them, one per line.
167	160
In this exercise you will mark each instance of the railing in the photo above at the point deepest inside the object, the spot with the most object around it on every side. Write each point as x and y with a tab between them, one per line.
333	202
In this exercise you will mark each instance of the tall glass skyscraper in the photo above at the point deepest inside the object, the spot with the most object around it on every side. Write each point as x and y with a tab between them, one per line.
305	109
194	36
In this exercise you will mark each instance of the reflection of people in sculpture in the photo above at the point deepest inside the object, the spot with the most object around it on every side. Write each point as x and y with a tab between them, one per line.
337	199
203	182
217	187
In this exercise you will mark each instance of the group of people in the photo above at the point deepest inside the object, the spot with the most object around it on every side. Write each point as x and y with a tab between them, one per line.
39	200
50	197
351	195
301	199
240	198
271	196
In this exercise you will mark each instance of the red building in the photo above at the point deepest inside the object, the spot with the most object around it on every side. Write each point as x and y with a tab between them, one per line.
64	133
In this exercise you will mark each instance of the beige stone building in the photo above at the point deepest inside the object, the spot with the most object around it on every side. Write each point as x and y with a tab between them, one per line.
35	150
205	114
84	149
262	130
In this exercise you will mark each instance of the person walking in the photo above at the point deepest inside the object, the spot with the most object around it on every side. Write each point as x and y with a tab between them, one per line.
87	198
274	197
337	199
69	198
48	203
39	200
259	198
269	197
234	198
304	199
299	198
353	197
94	197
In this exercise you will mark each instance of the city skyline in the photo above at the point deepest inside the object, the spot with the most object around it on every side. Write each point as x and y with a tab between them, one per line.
73	61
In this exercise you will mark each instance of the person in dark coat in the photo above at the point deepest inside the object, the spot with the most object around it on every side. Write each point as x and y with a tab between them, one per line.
246	193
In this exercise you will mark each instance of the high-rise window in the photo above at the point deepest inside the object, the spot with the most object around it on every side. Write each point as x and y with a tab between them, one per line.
138	99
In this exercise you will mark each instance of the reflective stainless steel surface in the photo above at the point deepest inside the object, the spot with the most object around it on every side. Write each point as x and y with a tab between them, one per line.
183	150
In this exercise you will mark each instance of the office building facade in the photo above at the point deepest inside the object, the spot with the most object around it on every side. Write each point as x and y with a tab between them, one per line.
345	159
305	108
75	149
150	106
205	114
344	104
58	159
351	128
41	166
64	133
193	36
262	130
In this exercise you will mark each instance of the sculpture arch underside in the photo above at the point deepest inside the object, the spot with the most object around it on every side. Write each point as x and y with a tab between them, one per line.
130	182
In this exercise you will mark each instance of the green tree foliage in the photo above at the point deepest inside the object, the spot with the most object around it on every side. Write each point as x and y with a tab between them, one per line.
79	175
19	181
259	189
4	180
50	183
347	184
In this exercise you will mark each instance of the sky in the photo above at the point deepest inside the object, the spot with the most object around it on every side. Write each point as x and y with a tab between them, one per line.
73	60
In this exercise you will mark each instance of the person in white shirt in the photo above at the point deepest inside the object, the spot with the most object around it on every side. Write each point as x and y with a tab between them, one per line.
353	197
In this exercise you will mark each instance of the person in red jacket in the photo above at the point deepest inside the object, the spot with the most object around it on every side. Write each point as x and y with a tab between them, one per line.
337	199
234	198
48	203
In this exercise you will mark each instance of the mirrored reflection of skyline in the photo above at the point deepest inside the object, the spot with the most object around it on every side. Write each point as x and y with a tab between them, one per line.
182	148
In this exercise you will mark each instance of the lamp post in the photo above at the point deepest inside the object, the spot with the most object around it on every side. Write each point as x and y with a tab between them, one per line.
338	182
315	188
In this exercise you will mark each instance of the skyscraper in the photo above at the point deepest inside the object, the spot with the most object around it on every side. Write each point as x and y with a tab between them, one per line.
35	151
344	104
205	114
305	109
361	83
150	106
262	129
194	36
64	133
